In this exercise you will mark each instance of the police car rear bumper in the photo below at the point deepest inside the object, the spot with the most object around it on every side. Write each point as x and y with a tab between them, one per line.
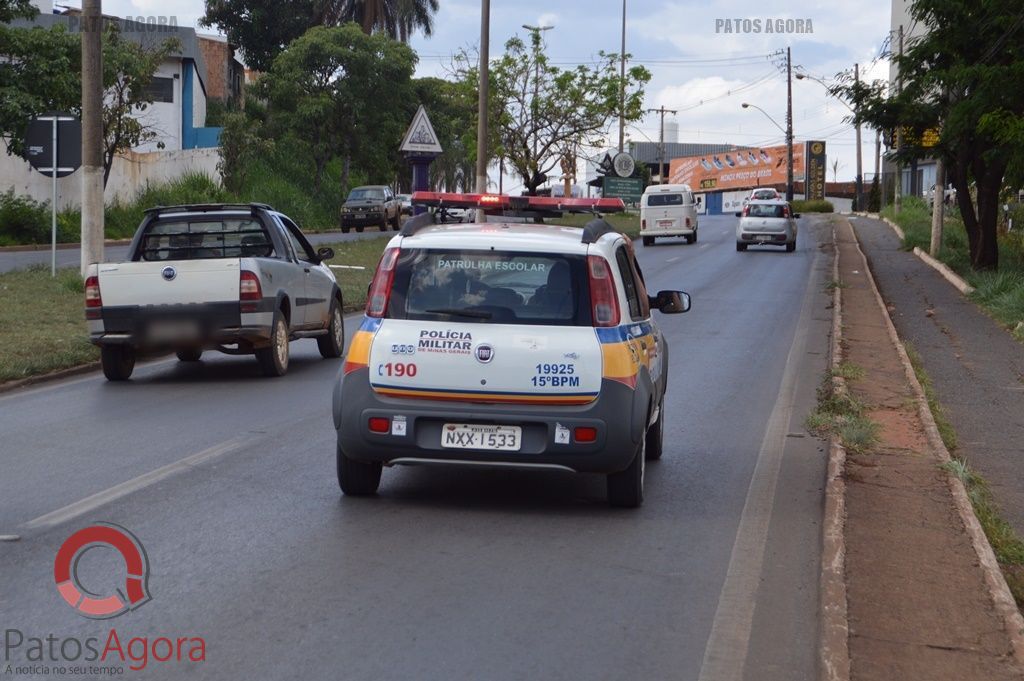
355	403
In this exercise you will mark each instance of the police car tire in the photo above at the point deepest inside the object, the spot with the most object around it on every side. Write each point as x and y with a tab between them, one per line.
332	344
648	241
626	488
356	478
118	362
656	435
273	359
191	355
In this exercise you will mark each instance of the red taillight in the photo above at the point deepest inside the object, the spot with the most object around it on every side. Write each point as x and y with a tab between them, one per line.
746	211
604	300
250	293
379	424
785	211
92	292
380	287
586	434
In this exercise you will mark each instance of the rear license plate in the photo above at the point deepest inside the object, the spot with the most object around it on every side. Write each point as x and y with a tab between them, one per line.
763	239
176	330
475	436
665	224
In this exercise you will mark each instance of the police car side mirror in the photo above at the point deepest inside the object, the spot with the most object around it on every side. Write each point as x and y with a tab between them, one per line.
671	302
325	253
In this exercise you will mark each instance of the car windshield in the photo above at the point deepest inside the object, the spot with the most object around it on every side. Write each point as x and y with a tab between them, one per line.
366	194
766	210
497	287
205	237
665	200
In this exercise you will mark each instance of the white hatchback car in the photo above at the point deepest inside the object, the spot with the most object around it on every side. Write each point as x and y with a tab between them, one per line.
508	346
767	223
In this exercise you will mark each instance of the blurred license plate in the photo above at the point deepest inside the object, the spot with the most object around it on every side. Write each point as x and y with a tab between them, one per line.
475	436
163	331
665	223
763	239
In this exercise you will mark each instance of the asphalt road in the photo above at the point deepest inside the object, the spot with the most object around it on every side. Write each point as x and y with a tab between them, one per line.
72	257
228	481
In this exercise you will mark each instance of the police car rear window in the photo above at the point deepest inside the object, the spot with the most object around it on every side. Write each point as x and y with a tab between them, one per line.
496	287
205	238
766	210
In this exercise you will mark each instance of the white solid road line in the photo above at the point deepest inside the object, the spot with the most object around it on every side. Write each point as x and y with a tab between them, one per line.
726	650
123	489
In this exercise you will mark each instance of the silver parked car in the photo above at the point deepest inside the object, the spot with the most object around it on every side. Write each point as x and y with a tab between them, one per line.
767	223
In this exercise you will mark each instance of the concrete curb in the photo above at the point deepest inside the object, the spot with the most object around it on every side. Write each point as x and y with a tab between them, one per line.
999	591
10	386
896	228
948	274
835	628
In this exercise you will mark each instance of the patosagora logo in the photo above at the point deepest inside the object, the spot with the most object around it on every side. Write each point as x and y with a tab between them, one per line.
102	606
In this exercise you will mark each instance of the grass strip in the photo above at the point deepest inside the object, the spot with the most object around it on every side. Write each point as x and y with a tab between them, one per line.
841	414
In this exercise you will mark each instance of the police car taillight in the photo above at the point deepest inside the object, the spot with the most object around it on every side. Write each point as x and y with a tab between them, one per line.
380	287
250	293
604	300
92	292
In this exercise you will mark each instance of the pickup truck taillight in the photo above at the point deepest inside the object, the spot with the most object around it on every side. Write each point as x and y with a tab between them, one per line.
93	300
380	287
603	297
249	291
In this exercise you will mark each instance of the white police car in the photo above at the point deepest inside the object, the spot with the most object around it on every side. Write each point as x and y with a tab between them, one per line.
507	345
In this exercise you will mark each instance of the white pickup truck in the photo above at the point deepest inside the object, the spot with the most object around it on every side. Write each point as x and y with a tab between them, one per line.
241	279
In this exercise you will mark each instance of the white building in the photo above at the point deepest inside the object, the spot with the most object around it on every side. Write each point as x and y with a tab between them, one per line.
920	176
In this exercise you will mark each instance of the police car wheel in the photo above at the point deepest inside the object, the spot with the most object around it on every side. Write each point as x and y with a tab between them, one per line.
118	362
656	435
274	357
190	355
626	488
356	478
332	343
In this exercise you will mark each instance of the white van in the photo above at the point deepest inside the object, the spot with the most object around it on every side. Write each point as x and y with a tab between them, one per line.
668	210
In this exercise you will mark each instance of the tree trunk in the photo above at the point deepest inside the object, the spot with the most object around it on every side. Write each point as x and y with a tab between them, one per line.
985	252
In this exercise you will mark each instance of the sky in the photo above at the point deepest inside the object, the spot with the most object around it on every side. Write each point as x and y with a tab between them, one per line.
706	58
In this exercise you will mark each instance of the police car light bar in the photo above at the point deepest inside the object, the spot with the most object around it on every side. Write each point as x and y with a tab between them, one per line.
503	202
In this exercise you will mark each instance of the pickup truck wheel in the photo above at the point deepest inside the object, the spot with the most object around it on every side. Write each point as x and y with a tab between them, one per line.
396	224
383	226
356	478
656	435
626	489
274	358
359	229
345	230
332	344
189	355
118	362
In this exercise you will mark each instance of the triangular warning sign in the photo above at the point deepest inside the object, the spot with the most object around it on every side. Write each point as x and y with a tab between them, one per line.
421	138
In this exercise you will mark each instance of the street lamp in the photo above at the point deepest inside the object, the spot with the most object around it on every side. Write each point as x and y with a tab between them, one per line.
859	182
789	148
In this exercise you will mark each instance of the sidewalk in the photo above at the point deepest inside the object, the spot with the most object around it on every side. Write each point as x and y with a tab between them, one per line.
976	367
918	602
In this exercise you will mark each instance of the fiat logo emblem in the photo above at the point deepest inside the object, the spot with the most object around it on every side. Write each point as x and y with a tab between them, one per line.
484	353
169	273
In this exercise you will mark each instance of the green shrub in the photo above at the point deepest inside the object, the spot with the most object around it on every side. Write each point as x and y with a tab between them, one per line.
817	206
23	220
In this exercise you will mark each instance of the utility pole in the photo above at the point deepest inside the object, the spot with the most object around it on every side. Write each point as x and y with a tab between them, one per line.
898	180
622	84
92	133
661	140
481	127
938	205
789	127
878	163
859	183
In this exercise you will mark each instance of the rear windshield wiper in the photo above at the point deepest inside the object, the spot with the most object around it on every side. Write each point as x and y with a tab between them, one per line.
474	314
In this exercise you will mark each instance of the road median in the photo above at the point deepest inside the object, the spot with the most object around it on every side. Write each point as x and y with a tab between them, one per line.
923	594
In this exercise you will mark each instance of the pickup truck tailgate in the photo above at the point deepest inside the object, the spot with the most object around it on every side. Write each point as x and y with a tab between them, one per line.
169	282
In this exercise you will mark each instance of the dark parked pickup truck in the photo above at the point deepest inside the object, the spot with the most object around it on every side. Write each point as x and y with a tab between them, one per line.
371	205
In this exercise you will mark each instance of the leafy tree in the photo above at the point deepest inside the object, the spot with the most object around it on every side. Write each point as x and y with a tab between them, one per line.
264	28
242	144
128	70
38	72
875	196
959	78
542	113
342	92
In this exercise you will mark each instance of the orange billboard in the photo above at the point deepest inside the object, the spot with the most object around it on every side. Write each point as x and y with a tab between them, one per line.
739	168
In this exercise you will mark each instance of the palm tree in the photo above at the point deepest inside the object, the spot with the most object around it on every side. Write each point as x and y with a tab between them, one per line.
399	19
